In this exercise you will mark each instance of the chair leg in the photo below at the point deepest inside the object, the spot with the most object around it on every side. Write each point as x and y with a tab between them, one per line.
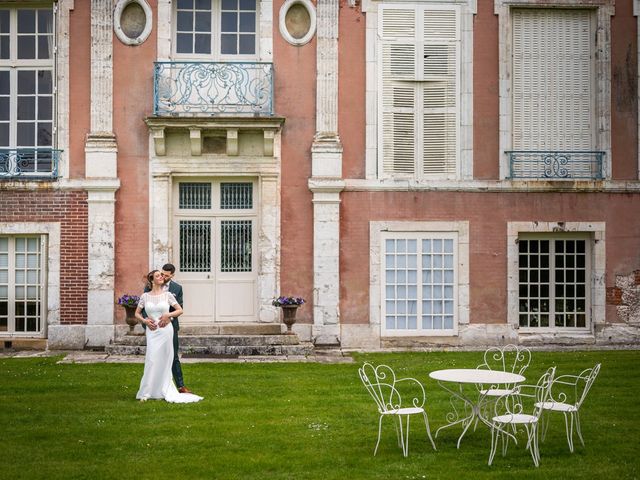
495	436
406	442
426	424
568	425
404	452
578	428
379	432
533	444
544	422
397	423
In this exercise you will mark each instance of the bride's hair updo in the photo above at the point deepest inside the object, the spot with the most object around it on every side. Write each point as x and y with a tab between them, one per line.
150	278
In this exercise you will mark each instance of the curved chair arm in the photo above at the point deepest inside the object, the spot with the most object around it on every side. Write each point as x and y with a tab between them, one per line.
415	401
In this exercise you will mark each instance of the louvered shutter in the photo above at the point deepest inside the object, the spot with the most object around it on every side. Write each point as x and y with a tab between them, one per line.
552	79
440	92
419	94
398	90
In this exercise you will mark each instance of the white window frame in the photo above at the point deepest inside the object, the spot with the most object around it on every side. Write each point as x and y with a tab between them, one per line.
379	231
13	64
465	86
596	281
552	283
215	55
12	286
165	31
50	232
604	10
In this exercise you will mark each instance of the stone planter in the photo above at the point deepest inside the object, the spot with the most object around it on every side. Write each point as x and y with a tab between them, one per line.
289	316
131	319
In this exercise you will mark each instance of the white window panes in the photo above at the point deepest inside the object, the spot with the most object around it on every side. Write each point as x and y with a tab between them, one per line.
4	276
4	292
427	306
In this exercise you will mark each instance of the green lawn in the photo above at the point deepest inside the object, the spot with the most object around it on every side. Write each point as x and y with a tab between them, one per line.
290	421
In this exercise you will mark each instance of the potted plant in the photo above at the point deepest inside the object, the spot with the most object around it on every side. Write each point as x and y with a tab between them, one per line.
130	303
289	306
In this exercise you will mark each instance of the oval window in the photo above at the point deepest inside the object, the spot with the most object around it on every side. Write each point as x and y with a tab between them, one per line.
297	21
132	21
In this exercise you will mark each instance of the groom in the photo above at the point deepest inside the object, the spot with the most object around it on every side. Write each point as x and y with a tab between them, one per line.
168	271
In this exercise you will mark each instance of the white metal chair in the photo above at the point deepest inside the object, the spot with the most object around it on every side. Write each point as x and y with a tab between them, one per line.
510	358
510	410
567	396
382	385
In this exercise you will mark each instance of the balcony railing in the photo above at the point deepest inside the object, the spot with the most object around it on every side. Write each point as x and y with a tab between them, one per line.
213	88
556	165
29	163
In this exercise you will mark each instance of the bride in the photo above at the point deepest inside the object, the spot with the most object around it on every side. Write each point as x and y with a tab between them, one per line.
157	381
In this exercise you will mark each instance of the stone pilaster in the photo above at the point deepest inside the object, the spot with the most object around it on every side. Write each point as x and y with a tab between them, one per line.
326	182
101	163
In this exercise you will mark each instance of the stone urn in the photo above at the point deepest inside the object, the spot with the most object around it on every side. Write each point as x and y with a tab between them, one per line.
289	317
130	318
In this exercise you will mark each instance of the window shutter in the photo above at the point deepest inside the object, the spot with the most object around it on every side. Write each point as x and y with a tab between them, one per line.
552	79
419	94
440	92
398	90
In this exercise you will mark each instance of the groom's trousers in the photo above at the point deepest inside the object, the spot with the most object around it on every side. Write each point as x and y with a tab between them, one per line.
176	368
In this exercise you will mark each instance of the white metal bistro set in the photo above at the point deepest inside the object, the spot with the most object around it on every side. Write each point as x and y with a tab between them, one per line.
492	394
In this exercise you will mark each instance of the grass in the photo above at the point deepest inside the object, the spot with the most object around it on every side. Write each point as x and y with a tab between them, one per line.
289	421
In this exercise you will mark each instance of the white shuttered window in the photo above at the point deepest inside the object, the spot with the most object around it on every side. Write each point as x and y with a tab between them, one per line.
553	76
419	99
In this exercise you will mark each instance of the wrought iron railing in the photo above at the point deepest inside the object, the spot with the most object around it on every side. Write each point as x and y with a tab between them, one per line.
29	163
213	88
556	165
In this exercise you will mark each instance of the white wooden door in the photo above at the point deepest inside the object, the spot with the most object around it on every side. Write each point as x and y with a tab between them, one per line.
215	250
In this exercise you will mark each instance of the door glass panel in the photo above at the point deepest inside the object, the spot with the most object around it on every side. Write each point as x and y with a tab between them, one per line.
236	196
195	196
235	245
195	245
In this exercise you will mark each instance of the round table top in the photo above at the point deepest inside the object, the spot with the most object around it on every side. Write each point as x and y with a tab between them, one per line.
473	375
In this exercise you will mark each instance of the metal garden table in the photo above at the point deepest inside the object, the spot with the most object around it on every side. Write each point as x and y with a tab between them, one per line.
473	406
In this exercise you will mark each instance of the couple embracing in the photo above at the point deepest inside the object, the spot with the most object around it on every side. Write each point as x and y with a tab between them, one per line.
158	310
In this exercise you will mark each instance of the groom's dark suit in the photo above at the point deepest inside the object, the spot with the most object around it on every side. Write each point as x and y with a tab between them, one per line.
176	368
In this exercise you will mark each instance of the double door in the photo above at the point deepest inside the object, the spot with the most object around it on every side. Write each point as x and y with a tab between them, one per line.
215	223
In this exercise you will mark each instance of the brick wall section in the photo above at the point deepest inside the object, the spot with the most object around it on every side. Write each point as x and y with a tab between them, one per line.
614	296
71	210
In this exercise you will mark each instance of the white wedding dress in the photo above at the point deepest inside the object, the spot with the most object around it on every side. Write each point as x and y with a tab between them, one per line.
157	380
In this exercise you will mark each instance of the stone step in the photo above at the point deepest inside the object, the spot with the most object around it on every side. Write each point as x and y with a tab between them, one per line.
304	348
233	329
217	340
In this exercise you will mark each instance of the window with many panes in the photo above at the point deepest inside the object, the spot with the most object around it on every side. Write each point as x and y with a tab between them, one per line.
419	287
26	89
26	78
216	28
22	303
553	282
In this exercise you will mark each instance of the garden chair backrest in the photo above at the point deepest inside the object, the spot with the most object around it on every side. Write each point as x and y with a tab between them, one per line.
381	383
510	358
524	396
573	389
